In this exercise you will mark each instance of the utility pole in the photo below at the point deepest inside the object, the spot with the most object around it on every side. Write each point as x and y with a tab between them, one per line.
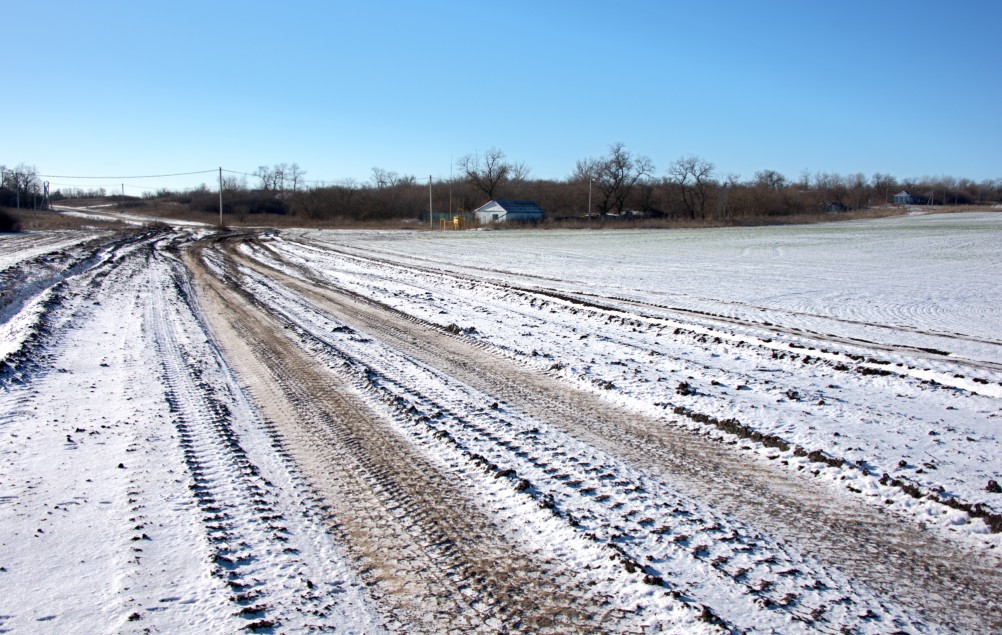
220	196
589	198
431	219
17	189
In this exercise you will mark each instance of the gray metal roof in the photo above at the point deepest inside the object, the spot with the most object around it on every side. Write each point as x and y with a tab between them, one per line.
515	207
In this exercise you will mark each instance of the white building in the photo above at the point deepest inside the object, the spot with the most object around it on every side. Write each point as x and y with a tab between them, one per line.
509	211
903	198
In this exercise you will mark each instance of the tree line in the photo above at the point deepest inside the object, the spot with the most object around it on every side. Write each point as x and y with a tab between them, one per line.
620	184
20	186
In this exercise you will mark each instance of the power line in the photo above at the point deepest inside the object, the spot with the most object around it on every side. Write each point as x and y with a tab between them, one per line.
240	173
143	176
134	186
302	181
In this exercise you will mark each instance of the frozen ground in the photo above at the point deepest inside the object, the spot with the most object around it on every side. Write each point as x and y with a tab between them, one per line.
764	430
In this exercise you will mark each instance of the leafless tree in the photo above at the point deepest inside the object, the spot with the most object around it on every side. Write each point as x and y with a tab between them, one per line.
833	190
383	178
345	191
279	175
25	178
883	183
770	179
692	179
280	170
267	177
518	172
295	176
857	182
647	194
614	176
490	172
234	184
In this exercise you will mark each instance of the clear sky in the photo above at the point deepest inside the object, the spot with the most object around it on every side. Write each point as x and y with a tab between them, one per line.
134	88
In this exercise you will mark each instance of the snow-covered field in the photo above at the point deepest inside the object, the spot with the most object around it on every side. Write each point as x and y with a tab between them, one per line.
767	430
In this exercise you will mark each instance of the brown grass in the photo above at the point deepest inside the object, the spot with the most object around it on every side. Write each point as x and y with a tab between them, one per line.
156	210
38	220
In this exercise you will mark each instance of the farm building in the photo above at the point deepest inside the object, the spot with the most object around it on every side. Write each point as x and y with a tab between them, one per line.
903	198
509	211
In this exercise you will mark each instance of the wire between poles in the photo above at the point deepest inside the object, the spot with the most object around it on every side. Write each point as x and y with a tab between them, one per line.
143	176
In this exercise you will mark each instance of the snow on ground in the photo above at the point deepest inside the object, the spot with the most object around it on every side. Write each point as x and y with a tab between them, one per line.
142	490
770	319
98	213
15	248
640	516
905	280
128	459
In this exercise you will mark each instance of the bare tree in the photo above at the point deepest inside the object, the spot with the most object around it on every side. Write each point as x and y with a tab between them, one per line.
264	173
280	171
883	183
382	178
518	172
770	179
25	179
692	179
295	175
858	183
491	171
233	184
278	176
614	175
833	190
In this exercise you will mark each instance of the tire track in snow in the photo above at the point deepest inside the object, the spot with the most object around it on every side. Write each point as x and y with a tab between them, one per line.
434	268
26	317
710	353
266	549
687	317
881	551
750	581
437	560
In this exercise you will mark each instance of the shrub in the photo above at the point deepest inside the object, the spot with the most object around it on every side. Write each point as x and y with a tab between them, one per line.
8	222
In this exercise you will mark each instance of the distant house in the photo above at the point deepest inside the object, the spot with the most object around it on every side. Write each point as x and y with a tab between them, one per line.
509	211
903	198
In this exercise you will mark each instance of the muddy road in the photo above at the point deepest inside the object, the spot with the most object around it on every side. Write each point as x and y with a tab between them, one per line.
336	371
282	433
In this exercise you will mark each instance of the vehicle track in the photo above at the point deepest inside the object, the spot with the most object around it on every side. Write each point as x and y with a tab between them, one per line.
438	563
434	266
255	547
655	532
712	320
925	573
705	352
92	261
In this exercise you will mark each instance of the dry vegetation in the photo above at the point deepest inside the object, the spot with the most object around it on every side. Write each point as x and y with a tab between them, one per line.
618	189
40	220
157	211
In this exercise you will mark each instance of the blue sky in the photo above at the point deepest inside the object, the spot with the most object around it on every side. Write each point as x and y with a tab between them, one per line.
134	88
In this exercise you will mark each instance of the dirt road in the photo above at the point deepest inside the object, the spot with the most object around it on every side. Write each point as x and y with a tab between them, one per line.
335	373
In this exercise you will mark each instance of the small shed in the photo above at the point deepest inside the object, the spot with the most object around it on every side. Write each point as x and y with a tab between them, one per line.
499	211
903	198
